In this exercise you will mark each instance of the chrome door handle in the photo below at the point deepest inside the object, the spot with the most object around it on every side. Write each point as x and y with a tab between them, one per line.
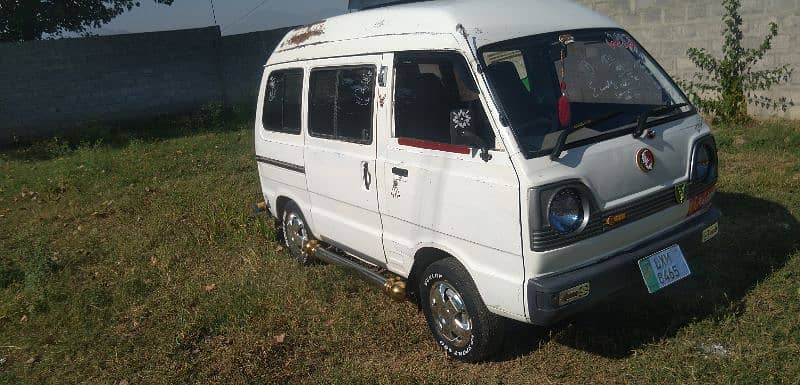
367	176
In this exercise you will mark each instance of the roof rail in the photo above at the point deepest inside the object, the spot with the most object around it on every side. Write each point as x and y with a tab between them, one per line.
367	4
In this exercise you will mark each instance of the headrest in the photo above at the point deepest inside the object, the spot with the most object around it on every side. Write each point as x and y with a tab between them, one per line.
505	77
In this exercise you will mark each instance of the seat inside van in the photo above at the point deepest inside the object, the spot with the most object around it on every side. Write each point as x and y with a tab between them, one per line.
429	87
423	107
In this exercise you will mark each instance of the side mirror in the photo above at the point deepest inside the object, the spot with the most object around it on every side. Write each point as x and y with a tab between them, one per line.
463	131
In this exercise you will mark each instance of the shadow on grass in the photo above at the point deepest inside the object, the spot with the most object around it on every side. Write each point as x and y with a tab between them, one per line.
211	118
753	243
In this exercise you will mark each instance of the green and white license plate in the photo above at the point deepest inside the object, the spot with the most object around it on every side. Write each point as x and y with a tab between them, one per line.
664	268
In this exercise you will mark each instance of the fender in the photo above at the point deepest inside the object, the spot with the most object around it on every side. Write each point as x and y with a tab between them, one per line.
496	292
299	197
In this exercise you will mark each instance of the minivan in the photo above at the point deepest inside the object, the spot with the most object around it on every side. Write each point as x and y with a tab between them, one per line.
512	159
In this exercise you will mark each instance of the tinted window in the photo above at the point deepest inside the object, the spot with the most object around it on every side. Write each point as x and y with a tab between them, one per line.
429	86
341	103
322	105
282	101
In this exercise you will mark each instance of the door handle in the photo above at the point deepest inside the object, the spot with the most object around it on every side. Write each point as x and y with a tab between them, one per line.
367	176
400	172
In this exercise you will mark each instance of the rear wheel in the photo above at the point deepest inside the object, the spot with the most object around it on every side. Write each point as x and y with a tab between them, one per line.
456	315
296	233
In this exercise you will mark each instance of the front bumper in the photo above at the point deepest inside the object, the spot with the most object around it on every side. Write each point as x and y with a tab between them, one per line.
610	275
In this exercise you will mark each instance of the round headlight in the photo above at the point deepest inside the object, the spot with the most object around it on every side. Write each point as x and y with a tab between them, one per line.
566	211
703	168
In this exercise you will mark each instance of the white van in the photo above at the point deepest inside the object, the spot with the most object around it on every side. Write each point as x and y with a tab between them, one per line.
518	159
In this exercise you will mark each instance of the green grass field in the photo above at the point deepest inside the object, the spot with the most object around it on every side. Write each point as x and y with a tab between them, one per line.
133	257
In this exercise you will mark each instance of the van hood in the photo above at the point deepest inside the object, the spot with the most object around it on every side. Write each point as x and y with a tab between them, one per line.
610	169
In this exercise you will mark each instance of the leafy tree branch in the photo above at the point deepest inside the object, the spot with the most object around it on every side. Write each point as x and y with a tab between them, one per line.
25	20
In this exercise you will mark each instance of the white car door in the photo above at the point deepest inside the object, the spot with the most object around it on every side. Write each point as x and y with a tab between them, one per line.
438	192
340	154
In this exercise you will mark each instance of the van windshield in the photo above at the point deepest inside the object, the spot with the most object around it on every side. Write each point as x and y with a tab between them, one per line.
607	77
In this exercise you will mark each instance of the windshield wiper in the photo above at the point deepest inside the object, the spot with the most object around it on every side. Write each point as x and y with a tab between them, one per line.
559	148
642	119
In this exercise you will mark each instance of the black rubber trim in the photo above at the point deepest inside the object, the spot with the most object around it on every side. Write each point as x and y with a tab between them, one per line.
611	275
281	164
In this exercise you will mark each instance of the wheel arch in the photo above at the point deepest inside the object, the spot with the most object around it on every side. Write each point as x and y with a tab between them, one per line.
282	199
424	257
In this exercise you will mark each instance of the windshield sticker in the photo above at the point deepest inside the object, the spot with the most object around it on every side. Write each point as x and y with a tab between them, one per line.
610	77
621	40
272	88
363	89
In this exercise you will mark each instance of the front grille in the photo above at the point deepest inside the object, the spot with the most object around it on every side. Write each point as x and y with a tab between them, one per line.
550	239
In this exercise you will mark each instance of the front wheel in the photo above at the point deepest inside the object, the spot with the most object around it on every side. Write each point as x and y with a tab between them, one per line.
456	315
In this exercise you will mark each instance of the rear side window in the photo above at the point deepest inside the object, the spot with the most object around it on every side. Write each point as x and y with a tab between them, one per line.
429	87
341	103
282	101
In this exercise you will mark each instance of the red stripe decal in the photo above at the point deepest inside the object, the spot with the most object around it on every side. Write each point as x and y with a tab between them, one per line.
434	146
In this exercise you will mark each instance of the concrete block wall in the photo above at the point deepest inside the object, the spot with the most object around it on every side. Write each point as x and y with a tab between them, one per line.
242	58
667	28
47	86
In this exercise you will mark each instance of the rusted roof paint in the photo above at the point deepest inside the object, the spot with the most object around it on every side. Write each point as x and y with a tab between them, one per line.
502	20
302	34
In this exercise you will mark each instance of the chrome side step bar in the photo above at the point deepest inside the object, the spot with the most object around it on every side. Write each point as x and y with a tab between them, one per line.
393	286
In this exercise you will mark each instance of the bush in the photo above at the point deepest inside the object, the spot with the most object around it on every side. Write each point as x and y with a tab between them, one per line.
727	85
212	116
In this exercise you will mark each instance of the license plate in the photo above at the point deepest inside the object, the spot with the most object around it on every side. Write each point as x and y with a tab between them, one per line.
710	232
664	268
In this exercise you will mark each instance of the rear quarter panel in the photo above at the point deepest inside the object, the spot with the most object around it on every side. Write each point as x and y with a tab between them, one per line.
281	147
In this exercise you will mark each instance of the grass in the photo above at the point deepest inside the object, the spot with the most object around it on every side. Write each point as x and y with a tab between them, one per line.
134	256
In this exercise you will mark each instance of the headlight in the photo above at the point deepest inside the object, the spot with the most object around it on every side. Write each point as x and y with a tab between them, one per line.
566	211
704	167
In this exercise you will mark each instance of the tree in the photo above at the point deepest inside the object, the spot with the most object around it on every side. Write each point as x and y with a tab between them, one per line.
25	20
725	86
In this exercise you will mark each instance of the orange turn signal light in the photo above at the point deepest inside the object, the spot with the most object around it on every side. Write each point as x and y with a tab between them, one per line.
615	219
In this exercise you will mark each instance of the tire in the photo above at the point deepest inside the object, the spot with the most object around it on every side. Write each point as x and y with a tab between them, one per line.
296	233
457	317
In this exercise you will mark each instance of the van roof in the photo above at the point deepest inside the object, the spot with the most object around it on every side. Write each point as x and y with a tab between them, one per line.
489	21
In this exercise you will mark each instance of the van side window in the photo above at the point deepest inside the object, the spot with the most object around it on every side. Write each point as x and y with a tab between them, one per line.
429	86
282	101
341	103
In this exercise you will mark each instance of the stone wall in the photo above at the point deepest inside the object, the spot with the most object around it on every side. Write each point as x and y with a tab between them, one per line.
667	28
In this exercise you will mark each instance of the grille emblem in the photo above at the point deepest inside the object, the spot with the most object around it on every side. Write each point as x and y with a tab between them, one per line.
680	193
646	160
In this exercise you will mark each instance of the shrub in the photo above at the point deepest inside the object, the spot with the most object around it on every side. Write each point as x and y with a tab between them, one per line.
726	86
